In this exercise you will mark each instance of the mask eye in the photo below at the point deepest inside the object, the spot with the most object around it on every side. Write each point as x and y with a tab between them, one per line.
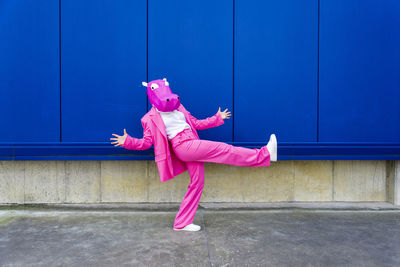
154	86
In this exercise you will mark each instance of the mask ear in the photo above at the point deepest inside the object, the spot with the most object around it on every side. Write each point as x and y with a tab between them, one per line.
166	83
144	84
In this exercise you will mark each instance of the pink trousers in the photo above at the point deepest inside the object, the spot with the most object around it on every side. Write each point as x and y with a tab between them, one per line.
195	152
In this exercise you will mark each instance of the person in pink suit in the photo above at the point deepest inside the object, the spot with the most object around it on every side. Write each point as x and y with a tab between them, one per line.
172	130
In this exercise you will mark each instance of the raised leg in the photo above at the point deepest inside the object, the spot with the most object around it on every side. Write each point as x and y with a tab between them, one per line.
210	151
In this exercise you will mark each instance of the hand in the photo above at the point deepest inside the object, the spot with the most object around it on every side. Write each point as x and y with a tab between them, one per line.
120	139
224	114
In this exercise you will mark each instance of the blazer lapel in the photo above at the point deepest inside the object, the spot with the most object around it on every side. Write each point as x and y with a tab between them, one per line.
158	121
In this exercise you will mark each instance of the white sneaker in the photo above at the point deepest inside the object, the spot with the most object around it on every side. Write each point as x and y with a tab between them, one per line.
190	227
272	147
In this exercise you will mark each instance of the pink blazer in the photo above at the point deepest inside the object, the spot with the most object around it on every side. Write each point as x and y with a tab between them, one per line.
154	134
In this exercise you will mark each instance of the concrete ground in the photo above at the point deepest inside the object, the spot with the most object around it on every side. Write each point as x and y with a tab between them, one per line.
245	236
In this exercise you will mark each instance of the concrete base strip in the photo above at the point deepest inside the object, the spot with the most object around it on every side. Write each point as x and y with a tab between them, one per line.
173	207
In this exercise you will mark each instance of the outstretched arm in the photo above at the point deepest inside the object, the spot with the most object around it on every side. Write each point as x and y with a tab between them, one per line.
128	142
214	121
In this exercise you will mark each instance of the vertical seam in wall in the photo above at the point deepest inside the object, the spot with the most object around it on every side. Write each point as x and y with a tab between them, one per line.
59	51
24	168
148	181
394	185
374	186
391	180
57	181
100	191
318	72
386	180
233	71
17	196
64	180
67	181
333	180
396	179
294	181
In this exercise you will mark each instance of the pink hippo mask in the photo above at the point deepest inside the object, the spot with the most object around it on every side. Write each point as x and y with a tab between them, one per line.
160	95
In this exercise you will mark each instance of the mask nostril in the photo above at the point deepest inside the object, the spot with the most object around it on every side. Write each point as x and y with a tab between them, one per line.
167	99
178	97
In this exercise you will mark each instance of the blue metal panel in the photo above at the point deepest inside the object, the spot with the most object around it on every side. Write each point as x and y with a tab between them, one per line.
103	61
29	71
275	64
360	71
276	70
190	44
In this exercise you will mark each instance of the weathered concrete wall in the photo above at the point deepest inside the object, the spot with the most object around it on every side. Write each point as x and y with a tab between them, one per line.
138	181
393	181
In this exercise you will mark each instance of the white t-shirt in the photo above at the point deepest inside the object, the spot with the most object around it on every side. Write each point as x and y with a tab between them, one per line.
174	122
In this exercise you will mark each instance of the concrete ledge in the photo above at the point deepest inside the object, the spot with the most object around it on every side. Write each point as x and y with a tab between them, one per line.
173	207
340	206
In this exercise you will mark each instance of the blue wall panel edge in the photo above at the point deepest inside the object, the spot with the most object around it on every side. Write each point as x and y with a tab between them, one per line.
287	151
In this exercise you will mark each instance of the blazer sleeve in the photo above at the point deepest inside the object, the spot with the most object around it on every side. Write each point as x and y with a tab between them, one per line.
144	143
210	122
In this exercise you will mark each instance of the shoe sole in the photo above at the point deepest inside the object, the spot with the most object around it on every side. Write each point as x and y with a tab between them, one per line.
187	230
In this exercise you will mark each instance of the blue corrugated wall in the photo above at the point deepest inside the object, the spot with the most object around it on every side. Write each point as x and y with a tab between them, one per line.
323	75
